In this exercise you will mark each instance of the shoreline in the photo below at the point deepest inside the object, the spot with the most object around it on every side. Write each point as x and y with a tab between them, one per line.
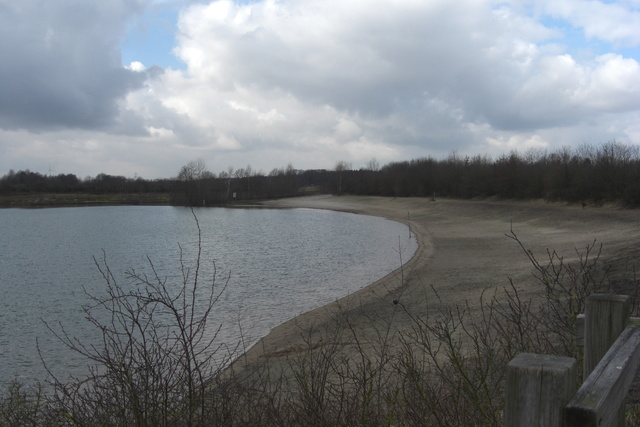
463	252
387	284
64	200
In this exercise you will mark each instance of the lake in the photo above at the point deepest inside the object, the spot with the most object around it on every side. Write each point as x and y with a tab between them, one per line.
279	263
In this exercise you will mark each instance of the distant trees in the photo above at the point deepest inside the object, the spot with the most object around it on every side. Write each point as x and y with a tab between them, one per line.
31	182
205	188
283	181
606	173
25	182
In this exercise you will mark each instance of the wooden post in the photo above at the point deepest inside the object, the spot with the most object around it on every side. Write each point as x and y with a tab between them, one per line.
606	316
580	330
601	398
537	388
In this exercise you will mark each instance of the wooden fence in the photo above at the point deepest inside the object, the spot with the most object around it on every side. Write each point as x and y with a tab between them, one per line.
541	389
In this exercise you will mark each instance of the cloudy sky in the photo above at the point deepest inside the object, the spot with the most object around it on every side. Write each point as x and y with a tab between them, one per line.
141	87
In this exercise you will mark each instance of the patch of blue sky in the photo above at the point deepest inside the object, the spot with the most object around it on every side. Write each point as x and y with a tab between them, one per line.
151	39
630	52
578	45
152	36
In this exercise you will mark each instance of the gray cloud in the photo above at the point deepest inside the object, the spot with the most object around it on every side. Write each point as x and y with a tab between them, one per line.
61	65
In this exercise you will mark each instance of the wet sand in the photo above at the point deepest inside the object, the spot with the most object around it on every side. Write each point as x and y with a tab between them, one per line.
463	252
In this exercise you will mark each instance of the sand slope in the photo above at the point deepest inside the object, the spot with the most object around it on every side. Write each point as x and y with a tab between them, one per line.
463	251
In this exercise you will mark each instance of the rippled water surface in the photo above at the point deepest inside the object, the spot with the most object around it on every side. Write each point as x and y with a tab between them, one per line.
280	263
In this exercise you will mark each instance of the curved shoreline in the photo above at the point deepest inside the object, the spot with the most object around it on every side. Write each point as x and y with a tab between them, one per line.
281	340
462	252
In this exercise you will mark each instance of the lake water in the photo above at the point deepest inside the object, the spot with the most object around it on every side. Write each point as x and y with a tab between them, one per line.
280	263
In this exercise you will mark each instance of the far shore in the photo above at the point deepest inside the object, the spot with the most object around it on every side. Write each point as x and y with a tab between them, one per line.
464	255
59	200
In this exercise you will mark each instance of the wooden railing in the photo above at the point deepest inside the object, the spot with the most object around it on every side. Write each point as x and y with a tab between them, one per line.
541	389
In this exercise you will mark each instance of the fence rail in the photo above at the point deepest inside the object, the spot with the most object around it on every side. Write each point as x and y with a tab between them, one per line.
541	389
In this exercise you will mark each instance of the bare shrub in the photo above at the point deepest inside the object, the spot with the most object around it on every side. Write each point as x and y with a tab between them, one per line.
156	356
453	362
26	406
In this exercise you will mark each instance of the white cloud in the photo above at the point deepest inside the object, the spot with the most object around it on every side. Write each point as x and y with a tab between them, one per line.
614	84
564	92
614	22
136	66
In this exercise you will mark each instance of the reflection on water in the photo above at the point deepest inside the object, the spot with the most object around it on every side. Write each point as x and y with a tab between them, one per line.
280	263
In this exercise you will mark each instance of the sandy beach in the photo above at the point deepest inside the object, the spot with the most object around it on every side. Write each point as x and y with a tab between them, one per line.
463	251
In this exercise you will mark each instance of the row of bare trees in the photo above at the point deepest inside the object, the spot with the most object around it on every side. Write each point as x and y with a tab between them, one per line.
589	174
606	173
196	186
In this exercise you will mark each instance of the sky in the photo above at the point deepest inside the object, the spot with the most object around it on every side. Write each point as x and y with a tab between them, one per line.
142	87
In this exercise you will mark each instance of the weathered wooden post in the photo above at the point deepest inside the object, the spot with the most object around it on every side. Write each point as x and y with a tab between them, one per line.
600	400
606	316
537	388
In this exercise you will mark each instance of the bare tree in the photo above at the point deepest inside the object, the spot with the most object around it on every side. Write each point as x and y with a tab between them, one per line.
192	171
190	178
340	168
373	165
229	176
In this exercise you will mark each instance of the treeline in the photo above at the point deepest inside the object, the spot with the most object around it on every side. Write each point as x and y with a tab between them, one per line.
589	174
26	182
196	186
606	173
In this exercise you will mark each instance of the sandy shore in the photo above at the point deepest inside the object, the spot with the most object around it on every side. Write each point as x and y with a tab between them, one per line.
463	250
